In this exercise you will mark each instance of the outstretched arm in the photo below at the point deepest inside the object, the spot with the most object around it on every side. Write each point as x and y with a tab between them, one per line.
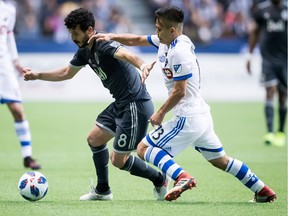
125	55
126	39
55	75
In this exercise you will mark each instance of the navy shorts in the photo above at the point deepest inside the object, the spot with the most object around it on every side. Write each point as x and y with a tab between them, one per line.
274	74
128	124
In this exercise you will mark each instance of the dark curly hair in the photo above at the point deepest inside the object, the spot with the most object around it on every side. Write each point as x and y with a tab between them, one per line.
170	13
81	17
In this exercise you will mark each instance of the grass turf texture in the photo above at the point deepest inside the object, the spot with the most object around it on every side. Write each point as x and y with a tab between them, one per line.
59	133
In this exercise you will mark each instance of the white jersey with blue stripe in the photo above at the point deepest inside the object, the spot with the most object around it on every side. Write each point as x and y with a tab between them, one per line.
179	62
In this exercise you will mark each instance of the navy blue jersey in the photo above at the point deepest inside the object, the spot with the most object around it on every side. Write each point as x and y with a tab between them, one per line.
121	78
272	21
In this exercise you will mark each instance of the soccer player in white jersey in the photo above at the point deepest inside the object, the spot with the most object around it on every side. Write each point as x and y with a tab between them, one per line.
192	124
9	86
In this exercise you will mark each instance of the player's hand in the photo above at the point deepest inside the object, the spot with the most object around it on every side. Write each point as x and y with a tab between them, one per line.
248	64
29	74
248	67
156	119
99	37
146	70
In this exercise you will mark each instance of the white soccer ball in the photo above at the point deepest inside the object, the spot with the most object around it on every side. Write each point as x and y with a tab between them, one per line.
33	186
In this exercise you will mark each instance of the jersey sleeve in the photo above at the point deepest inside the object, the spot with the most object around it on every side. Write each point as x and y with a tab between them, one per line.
182	63
153	40
79	59
258	14
108	48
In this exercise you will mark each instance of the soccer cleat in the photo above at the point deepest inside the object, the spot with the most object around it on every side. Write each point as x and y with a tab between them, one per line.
269	138
29	162
183	183
265	195
279	139
96	195
160	192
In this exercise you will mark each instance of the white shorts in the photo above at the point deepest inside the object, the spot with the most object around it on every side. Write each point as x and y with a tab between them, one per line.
175	135
9	85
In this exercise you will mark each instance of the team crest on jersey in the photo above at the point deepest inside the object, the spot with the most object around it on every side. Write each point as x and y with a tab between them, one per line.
177	68
162	58
284	15
168	73
266	15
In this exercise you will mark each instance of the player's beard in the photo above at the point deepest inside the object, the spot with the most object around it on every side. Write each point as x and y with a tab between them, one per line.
84	42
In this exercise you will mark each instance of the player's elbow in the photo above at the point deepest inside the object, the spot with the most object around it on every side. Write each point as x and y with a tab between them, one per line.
180	93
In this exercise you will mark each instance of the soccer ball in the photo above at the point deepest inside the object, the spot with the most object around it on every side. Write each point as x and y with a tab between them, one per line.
33	186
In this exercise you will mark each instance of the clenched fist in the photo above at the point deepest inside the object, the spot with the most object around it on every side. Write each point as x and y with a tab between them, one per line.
29	74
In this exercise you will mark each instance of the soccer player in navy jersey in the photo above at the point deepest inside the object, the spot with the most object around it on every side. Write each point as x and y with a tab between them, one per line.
270	30
126	118
192	123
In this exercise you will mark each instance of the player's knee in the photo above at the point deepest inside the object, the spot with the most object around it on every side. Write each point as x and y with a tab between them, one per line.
141	149
91	141
220	163
117	161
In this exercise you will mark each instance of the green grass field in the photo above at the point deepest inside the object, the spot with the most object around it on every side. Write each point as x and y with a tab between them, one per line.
59	133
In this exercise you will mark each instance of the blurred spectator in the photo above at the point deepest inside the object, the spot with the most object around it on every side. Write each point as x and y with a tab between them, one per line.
237	19
213	19
117	22
60	33
27	24
44	18
205	20
48	18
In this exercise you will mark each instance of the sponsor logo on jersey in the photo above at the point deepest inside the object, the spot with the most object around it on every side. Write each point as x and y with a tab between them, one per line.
168	73
275	26
177	68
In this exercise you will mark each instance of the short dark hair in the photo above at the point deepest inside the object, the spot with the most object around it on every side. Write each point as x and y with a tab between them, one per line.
171	13
81	17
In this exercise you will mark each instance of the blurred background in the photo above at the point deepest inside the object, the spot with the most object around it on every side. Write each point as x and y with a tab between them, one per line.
213	25
218	28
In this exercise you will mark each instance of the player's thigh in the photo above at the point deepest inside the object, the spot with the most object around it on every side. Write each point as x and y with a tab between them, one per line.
98	136
175	135
209	144
104	128
9	87
269	74
131	125
282	77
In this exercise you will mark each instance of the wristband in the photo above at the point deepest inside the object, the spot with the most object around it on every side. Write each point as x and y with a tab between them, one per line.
143	66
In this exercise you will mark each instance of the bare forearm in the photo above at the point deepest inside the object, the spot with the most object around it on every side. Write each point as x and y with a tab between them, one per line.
130	39
57	75
171	102
253	39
